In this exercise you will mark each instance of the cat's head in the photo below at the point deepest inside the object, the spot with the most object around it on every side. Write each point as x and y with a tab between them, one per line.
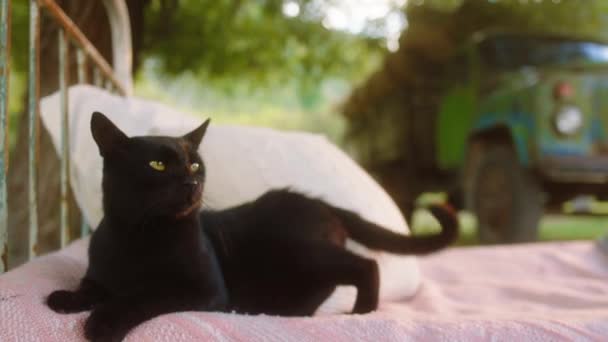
149	176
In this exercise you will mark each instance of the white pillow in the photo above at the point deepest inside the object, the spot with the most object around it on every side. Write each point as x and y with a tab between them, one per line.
242	163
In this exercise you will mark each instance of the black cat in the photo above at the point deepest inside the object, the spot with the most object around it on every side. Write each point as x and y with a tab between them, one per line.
154	253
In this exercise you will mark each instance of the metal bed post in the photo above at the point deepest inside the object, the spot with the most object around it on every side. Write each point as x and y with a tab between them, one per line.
83	79
82	66
5	56
116	80
33	94
103	76
97	80
65	142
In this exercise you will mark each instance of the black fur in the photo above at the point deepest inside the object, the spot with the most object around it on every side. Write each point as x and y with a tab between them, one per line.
284	253
280	254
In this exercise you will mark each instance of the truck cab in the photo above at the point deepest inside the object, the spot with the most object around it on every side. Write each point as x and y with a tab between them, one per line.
523	122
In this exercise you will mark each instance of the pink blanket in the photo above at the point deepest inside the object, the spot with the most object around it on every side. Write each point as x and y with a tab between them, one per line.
540	292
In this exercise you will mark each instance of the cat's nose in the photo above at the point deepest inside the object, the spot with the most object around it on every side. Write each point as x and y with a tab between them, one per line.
193	188
191	182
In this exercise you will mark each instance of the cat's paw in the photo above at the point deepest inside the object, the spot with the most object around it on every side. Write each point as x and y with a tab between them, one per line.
65	302
102	326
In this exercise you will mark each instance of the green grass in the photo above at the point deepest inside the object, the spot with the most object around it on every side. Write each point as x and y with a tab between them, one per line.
553	227
573	227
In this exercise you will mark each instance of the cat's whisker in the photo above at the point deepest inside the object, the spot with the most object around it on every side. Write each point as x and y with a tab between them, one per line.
207	206
208	203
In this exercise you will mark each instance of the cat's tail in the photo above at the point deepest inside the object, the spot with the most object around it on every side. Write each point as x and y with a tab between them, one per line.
376	237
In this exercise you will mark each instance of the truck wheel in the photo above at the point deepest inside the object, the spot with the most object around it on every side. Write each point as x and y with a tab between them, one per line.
505	198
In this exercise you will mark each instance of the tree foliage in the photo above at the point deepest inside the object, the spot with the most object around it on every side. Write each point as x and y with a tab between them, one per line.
252	40
578	18
237	40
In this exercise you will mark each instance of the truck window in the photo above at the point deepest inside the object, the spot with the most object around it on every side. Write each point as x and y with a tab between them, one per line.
509	52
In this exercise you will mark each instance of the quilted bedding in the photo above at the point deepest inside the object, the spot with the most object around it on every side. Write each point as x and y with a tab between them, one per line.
535	292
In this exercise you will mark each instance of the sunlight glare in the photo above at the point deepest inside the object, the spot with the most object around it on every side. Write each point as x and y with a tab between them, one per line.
291	9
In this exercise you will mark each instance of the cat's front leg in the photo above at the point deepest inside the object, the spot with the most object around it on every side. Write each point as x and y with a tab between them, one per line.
84	298
112	321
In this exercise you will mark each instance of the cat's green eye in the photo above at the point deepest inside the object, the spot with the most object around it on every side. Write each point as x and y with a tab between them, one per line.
194	167
157	165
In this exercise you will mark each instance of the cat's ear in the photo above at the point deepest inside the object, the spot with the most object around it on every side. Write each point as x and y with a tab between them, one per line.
107	136
195	137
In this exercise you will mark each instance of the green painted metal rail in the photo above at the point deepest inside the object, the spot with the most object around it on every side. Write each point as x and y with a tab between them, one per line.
5	48
33	103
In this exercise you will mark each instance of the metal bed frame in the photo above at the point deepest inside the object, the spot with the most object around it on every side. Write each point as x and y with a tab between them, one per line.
117	79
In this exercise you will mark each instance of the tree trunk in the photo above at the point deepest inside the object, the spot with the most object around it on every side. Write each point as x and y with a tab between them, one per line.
90	17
